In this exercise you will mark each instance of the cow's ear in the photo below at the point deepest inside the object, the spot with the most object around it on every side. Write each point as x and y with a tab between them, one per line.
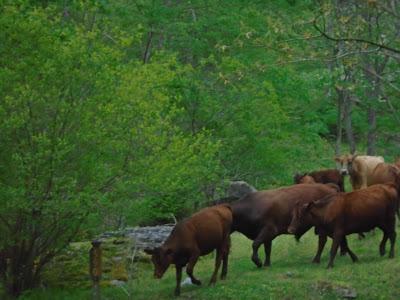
149	251
337	159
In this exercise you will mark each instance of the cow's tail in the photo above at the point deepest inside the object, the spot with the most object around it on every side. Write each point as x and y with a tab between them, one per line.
396	174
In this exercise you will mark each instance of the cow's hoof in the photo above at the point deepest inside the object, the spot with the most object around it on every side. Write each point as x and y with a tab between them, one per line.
316	261
257	262
177	293
343	253
196	281
267	264
330	266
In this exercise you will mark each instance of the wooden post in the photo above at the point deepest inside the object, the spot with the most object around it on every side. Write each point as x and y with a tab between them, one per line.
95	267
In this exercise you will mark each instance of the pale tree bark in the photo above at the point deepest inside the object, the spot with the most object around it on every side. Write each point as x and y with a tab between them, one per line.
373	68
344	100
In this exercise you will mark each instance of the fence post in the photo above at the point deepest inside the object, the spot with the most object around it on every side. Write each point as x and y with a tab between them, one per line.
95	267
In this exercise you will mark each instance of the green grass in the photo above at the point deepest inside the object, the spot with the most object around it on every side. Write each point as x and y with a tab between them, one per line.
291	276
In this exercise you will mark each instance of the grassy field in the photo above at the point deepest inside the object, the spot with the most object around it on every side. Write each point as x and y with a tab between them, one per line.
291	275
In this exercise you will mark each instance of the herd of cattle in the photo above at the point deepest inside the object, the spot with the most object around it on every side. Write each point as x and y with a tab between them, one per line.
318	200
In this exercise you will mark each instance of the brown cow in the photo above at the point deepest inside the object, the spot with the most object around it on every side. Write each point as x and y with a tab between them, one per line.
262	216
383	173
346	213
322	176
193	237
359	167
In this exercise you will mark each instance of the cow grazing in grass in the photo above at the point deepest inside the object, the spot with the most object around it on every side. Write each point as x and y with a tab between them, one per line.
341	214
198	235
322	176
359	167
262	216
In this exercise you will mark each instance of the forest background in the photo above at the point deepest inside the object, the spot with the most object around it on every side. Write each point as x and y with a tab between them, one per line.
117	113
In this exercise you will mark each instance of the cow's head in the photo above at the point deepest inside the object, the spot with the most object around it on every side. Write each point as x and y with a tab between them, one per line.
161	257
301	219
345	163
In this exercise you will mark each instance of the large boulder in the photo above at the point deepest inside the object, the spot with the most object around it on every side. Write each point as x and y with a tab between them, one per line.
239	189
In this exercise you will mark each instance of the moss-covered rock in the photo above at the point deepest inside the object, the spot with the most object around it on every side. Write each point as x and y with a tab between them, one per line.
71	267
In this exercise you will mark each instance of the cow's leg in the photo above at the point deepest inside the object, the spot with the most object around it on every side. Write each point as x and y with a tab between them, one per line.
225	258
218	259
337	239
344	245
321	244
265	235
178	280
392	237
382	245
343	249
189	269
256	244
267	249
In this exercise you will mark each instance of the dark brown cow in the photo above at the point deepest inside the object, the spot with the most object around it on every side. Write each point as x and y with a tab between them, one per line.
346	213
263	215
193	237
322	176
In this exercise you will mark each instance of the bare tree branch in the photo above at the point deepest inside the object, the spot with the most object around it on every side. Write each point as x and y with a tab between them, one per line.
381	46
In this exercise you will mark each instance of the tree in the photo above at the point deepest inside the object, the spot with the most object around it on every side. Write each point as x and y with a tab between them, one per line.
81	126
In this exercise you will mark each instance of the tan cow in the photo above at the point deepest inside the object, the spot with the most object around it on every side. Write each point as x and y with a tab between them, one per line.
359	167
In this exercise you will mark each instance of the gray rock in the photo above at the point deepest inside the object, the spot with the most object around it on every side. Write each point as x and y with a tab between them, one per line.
239	189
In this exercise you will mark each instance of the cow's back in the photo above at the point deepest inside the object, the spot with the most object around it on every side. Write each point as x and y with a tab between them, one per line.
363	208
383	173
274	207
208	227
366	163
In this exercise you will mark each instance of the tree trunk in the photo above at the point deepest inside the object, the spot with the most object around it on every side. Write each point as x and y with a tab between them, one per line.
348	107
146	55
371	140
339	125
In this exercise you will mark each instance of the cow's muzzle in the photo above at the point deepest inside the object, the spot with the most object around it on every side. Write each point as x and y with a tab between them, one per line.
344	172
